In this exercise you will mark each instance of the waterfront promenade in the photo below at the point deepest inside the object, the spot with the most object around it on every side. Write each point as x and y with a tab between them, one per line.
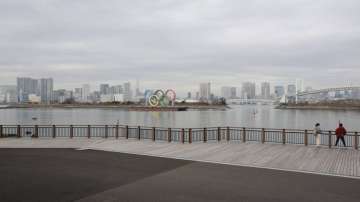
306	159
136	163
180	165
88	175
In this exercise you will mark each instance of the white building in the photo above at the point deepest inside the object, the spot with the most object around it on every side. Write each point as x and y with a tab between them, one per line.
265	90
85	93
248	90
8	94
112	98
78	94
104	89
225	92
46	88
299	85
205	91
228	92
119	97
127	92
106	98
33	98
118	89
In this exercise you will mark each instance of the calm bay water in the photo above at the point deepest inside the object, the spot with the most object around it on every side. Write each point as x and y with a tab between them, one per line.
240	115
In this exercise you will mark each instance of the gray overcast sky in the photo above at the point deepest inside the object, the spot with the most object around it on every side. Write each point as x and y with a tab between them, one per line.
179	43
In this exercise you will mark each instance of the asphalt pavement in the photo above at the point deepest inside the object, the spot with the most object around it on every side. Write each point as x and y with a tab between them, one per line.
87	175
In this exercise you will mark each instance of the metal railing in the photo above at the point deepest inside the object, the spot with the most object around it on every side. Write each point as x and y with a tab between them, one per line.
183	135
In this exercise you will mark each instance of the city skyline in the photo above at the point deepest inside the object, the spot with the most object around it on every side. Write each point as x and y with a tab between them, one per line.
172	43
102	87
183	91
42	90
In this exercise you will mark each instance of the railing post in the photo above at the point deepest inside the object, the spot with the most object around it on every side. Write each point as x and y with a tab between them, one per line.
263	135
169	134
117	131
1	131
71	131
36	132
283	136
228	133
190	135
306	138
54	131
356	141
89	131
205	135
219	134
244	135
127	132
153	133
106	131
139	132
18	134
183	135
330	139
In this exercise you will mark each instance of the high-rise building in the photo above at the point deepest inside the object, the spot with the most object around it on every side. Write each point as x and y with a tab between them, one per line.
78	94
104	89
8	94
118	89
59	95
197	96
37	87
212	96
25	87
95	96
248	90
85	96
233	93
205	91
225	92
127	92
189	95
279	91
46	87
291	90
67	97
137	92
228	92
265	90
299	85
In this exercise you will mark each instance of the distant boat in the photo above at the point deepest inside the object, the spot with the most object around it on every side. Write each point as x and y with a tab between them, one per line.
34	118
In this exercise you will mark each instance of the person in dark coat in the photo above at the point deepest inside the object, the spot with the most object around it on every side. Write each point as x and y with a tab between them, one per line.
340	133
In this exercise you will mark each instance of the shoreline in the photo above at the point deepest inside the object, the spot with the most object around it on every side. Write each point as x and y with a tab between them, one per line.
319	107
120	107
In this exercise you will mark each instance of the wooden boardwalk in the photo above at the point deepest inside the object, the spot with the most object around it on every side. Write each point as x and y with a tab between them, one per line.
320	160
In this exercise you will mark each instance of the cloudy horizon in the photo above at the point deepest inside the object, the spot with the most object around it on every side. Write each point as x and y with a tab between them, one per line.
178	44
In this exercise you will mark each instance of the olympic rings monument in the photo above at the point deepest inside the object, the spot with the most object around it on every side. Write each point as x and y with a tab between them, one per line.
159	98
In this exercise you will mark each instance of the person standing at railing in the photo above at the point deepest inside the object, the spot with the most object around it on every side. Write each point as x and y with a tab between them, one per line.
317	132
340	133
